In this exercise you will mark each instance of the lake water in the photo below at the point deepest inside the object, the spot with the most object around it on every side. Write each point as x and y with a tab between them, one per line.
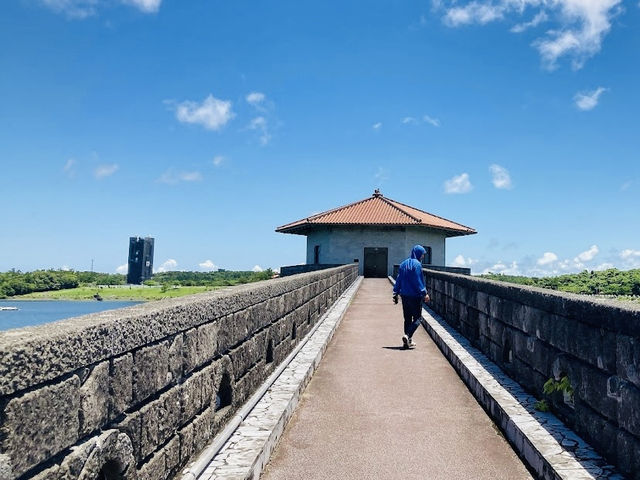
44	311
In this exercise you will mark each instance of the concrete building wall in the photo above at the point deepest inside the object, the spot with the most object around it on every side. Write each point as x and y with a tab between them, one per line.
346	244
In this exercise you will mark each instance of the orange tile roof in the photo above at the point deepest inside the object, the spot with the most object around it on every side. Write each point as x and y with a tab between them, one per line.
376	210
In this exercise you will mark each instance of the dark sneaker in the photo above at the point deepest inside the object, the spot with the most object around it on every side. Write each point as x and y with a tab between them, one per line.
405	341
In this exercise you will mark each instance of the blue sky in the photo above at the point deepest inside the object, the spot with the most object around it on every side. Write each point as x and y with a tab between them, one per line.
207	124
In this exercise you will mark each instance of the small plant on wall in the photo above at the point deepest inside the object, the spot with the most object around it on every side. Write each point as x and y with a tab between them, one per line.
550	387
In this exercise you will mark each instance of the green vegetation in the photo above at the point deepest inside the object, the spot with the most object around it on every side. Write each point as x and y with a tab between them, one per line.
550	387
72	285
607	282
15	282
125	292
210	279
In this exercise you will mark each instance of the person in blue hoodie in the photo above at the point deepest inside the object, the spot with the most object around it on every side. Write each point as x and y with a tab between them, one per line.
410	286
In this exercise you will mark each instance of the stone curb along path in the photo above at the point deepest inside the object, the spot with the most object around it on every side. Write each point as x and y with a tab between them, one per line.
248	450
551	450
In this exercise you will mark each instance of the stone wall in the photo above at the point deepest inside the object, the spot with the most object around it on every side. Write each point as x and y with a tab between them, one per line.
304	268
535	334
135	393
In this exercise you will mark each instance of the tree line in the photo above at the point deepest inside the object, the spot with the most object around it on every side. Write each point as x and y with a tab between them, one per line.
16	282
605	282
220	278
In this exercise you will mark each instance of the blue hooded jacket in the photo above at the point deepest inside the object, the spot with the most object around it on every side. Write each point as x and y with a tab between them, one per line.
410	281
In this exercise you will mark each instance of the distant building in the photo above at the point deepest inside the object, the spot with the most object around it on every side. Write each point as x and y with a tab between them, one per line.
377	232
140	259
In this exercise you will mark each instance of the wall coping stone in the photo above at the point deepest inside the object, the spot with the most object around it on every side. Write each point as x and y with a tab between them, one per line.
33	355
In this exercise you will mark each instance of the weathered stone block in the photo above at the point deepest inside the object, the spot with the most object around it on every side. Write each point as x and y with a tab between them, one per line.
111	450
483	303
160	420
232	329
628	449
150	370
154	469
95	399
121	384
248	353
41	423
172	456
601	434
628	358
629	408
197	392
186	443
202	429
131	426
176	362
200	346
592	387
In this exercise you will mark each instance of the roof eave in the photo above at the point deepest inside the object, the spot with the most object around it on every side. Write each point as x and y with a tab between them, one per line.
306	228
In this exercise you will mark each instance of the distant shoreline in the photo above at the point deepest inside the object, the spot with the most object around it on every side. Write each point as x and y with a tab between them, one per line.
147	294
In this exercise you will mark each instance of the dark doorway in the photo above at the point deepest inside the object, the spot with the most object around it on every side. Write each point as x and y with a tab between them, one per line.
375	262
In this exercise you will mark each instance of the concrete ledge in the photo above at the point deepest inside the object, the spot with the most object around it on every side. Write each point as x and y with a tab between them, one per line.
248	450
550	449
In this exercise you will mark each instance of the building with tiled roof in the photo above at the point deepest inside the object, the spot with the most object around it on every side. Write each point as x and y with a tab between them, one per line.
377	232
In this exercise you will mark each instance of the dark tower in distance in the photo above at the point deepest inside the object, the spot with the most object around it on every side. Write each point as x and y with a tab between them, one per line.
140	259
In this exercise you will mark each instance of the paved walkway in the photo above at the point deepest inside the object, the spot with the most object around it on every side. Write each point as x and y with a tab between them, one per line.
375	411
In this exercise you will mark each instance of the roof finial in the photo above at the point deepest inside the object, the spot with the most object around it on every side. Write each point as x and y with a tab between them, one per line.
377	193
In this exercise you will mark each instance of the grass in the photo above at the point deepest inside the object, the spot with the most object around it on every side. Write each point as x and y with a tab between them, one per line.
114	293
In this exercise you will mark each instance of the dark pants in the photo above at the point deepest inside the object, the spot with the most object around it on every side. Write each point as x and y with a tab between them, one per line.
412	312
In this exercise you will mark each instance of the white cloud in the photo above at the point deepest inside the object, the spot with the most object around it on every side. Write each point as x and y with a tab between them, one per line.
261	125
547	258
540	17
105	170
381	175
75	9
629	253
212	113
458	184
123	269
69	167
146	6
474	12
168	266
630	258
208	265
500	177
171	177
583	26
604	266
461	261
256	99
256	268
578	30
218	160
625	186
433	121
376	126
587	255
503	268
425	118
588	100
81	9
